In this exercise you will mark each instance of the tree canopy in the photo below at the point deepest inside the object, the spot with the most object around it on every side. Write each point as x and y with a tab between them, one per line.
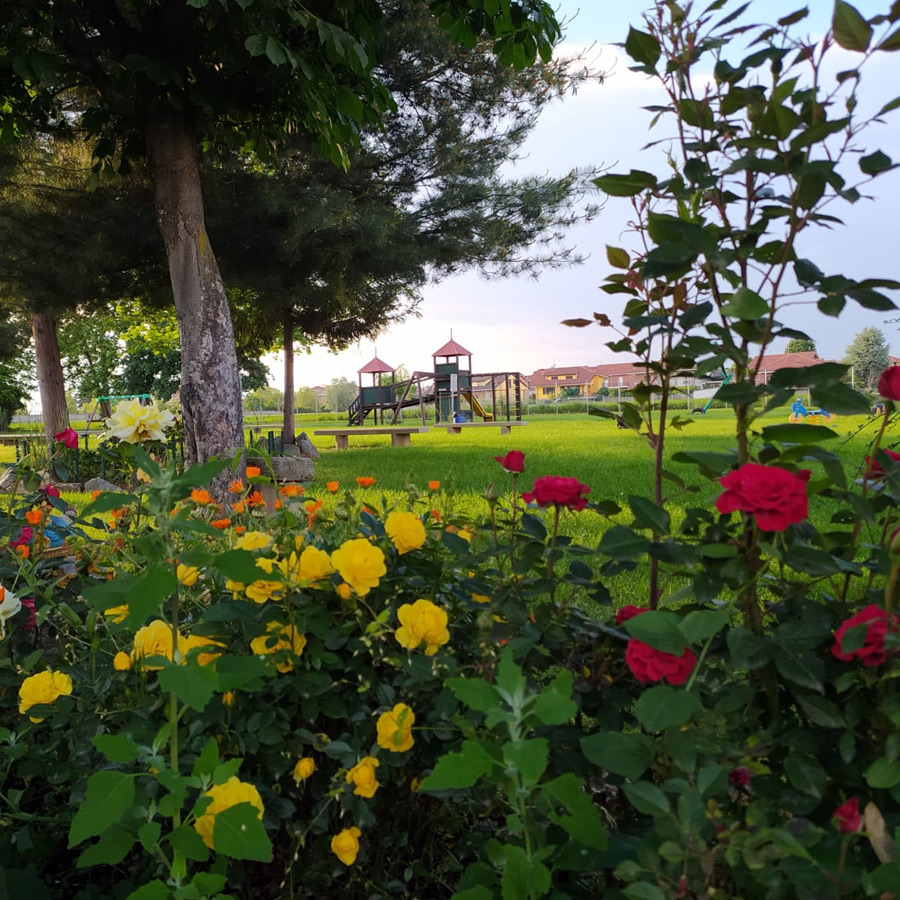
869	354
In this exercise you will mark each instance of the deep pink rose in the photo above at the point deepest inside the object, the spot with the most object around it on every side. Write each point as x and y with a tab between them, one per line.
28	603
872	652
889	383
847	816
554	490
629	612
49	490
69	437
514	461
739	777
24	538
774	496
875	470
648	664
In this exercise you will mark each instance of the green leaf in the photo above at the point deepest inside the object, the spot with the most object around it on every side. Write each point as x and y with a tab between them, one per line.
108	796
116	747
883	774
648	515
238	565
839	398
642	47
239	834
191	684
479	892
643	890
625	754
794	17
509	675
460	770
658	629
805	774
149	589
275	52
664	707
554	705
618	258
522	877
746	305
107	501
243	673
875	163
148	835
621	542
851	31
154	890
821	711
528	758
206	762
476	693
646	798
111	849
187	841
891	42
583	822
797	433
701	624
628	185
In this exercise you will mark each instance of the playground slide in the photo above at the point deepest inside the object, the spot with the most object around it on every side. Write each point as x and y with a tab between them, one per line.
477	408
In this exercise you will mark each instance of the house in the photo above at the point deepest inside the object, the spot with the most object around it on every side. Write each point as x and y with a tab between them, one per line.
547	384
772	362
499	388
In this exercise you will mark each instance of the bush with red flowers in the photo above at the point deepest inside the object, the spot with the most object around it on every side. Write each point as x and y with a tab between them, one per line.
774	496
558	491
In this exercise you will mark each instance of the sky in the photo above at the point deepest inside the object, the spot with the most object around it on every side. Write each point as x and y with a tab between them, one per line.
513	324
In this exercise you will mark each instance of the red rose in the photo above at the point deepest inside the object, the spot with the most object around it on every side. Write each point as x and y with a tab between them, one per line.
775	496
28	603
875	470
889	383
554	490
847	816
514	461
629	612
24	538
69	437
49	490
739	777
649	664
872	652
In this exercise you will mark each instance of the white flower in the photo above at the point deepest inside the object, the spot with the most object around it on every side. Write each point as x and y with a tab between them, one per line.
134	423
10	604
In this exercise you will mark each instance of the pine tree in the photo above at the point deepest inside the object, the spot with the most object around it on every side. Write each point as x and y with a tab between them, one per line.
869	355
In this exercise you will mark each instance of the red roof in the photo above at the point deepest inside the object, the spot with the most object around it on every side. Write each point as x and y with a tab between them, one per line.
451	348
556	376
772	362
375	365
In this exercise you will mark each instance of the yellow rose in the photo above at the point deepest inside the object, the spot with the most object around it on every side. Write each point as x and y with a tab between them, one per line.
253	540
155	639
224	796
314	565
406	531
360	564
344	591
193	641
236	587
117	613
43	688
423	621
134	423
395	729
304	768
363	776
122	661
187	575
345	845
288	639
261	591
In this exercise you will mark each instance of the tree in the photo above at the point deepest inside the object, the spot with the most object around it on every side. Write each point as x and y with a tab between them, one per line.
339	394
305	400
165	78
869	355
800	345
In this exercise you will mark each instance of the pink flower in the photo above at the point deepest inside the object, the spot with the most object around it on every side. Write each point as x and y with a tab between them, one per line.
872	652
774	496
24	538
739	777
554	490
28	603
49	490
69	437
875	470
648	664
847	816
514	461
889	383
629	612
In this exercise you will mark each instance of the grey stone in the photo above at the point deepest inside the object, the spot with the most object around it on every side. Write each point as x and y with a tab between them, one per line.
307	447
101	484
10	483
285	468
69	487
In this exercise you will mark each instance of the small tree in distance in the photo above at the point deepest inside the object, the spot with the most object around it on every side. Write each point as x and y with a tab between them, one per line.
801	345
869	355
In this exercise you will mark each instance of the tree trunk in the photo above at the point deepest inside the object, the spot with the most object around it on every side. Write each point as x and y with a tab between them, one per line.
287	430
50	374
210	379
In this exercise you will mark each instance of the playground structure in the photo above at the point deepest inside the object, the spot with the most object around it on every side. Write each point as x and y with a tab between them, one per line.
451	388
803	416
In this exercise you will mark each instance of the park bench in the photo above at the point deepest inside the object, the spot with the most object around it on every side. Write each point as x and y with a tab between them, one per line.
457	427
400	434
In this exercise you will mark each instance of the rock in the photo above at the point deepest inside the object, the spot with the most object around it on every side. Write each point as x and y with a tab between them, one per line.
69	487
307	447
101	484
10	483
285	468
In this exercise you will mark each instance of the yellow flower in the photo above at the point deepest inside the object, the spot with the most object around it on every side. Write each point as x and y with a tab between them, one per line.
187	575
117	613
360	564
344	591
406	531
253	540
422	621
314	565
194	641
261	591
395	729
288	639
228	698
155	639
363	776
481	598
133	423
304	768
345	845
224	796
142	476
268	564
122	661
236	587
43	688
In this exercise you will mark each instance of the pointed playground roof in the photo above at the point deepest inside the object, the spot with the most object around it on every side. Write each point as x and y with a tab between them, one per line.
374	366
451	348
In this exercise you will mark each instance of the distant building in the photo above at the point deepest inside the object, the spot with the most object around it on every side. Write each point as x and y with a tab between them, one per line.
546	384
772	362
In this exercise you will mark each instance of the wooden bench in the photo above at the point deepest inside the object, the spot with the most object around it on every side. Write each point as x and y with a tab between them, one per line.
400	434
457	427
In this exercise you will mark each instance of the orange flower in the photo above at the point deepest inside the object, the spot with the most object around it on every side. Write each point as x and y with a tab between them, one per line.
95	495
364	481
200	496
256	499
238	507
366	509
119	513
221	524
332	486
312	510
236	487
252	471
291	490
277	503
240	529
34	516
24	551
434	485
435	515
